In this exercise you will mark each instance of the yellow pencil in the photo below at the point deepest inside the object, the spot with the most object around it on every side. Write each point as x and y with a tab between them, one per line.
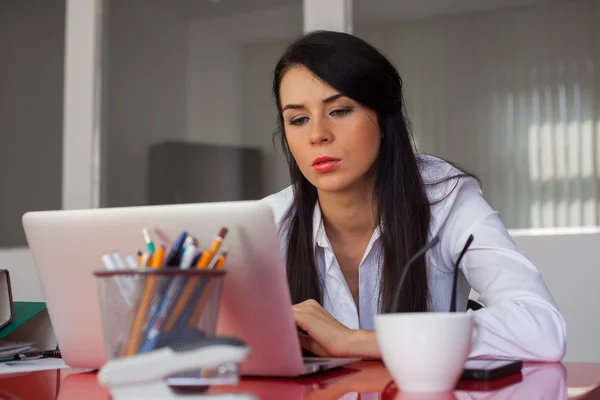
208	255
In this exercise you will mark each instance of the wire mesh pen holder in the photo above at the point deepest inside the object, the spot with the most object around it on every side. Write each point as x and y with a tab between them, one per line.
145	309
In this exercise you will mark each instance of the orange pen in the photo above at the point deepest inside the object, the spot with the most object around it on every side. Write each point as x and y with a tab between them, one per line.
222	258
144	307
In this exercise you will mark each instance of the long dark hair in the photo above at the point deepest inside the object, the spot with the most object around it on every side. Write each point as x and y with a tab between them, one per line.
359	71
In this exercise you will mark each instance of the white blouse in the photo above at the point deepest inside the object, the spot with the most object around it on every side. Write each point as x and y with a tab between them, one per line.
520	319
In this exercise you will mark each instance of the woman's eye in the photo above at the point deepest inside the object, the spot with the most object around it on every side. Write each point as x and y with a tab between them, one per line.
298	121
341	112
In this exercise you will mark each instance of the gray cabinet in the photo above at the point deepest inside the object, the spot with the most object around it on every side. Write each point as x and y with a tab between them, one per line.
183	172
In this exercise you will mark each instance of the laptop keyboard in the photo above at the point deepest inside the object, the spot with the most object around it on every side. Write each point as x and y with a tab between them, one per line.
315	360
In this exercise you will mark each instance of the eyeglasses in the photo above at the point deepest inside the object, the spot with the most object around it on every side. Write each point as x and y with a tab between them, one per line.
454	282
418	255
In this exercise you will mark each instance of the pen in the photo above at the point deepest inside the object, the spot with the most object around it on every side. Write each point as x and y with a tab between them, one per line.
145	259
158	257
197	258
222	258
34	355
148	240
174	257
188	240
134	337
220	262
171	292
167	300
194	319
192	283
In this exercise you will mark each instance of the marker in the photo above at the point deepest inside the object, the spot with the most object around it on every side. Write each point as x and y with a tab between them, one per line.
188	256
130	261
148	240
119	263
108	262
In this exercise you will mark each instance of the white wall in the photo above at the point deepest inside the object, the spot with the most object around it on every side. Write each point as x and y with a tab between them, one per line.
509	95
229	100
512	96
568	261
146	86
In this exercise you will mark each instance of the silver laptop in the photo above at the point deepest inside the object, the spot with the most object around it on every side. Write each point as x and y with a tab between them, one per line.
256	305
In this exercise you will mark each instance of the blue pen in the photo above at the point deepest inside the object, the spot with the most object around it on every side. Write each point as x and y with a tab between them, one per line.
174	257
197	258
167	301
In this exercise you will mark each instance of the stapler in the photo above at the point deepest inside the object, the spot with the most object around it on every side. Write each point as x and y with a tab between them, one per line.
150	375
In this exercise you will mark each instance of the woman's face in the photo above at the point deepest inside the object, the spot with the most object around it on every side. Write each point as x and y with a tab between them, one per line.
334	140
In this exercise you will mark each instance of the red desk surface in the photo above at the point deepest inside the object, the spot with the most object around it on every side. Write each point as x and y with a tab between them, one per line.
360	381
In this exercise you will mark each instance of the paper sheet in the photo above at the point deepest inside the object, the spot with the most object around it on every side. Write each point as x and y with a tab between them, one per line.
18	367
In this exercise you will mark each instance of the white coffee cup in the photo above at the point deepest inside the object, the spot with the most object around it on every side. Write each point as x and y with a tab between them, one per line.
425	352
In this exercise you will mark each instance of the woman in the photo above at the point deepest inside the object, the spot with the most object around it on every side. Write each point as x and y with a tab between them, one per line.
362	203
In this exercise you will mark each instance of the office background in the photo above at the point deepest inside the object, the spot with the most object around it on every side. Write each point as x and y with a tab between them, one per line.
509	89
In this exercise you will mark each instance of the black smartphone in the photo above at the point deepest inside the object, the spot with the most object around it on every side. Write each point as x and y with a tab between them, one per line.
487	370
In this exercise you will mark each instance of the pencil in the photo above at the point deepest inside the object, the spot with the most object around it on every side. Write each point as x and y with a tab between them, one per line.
195	318
209	254
218	262
188	291
138	323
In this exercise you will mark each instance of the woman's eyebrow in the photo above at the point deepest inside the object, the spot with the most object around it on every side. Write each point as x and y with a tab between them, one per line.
300	106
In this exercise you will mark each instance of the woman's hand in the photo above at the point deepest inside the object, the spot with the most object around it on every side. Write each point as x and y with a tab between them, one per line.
329	338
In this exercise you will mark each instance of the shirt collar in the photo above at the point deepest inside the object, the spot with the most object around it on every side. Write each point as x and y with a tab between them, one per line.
320	236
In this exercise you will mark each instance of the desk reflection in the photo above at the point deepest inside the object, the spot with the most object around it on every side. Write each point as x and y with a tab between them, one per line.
82	385
537	381
363	381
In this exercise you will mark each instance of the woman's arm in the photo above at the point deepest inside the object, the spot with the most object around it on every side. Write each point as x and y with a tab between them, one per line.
520	319
329	338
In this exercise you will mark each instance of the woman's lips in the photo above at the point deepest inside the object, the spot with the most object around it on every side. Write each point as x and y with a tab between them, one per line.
325	163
